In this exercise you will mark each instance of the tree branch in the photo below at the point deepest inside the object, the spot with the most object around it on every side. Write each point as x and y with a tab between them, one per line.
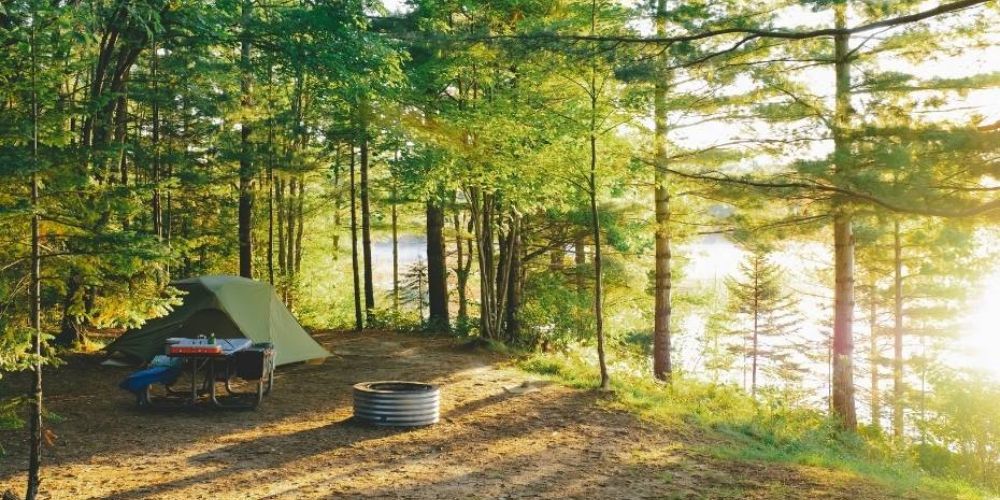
858	196
750	33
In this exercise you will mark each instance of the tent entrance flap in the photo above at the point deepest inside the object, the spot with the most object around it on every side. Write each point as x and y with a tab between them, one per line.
208	321
230	307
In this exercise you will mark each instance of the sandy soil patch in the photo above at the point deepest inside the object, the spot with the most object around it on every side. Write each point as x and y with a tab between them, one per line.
503	434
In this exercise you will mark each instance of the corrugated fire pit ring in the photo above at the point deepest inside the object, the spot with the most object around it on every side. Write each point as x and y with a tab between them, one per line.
397	403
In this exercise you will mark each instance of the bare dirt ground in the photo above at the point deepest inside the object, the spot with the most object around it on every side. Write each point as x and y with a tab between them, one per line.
496	439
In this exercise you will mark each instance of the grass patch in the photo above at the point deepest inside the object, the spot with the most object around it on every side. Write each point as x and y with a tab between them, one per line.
744	429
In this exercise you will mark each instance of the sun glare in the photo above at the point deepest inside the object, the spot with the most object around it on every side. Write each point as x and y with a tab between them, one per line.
982	342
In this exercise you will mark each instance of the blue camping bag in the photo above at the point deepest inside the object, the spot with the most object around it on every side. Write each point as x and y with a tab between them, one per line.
138	381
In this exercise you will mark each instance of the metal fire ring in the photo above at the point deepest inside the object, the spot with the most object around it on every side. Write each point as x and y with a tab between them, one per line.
397	403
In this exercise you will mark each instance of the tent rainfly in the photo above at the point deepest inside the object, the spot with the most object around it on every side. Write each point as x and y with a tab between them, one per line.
230	307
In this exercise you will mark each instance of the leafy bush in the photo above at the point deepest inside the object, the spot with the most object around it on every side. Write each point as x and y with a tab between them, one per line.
556	315
396	320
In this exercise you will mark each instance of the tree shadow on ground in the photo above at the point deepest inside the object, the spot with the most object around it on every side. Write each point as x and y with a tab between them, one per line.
86	403
344	451
493	441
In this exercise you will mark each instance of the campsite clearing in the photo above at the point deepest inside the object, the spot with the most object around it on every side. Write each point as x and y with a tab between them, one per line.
503	434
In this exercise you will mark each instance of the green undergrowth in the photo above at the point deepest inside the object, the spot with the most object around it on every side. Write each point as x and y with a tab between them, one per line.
728	424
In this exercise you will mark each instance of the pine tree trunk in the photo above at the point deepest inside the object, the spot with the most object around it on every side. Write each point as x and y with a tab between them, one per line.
301	140
121	139
156	208
756	327
843	236
923	390
873	356
746	364
395	249
279	198
290	223
337	202
270	192
661	309
437	268
843	342
289	281
358	320
897	337
300	228
35	396
366	231
462	272
245	229
270	225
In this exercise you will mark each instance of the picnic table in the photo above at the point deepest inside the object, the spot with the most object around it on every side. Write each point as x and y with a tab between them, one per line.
209	363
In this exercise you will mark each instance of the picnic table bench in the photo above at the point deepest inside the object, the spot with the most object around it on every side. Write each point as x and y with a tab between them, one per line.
209	364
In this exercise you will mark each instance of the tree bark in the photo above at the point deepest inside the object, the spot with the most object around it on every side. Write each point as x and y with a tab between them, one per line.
595	221
598	267
843	236
395	250
481	206
366	232
462	268
289	266
756	326
337	202
504	272
270	189
279	198
121	139
358	320
245	229
300	227
512	319
290	223
873	355
270	224
35	396
897	337
156	204
437	268
663	280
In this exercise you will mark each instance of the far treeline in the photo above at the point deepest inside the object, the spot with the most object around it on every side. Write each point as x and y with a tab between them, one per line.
558	157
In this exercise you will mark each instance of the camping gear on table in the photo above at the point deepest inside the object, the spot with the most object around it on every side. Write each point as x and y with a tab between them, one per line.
229	307
195	346
220	362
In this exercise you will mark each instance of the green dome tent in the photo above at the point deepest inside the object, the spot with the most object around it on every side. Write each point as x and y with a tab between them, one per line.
230	307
